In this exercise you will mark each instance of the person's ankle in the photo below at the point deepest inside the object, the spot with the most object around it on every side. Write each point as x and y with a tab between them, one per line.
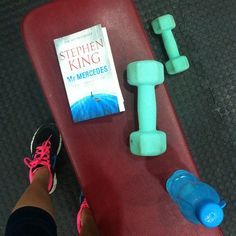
41	175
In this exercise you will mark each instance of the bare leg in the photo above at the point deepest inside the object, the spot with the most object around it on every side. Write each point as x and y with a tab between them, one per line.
36	195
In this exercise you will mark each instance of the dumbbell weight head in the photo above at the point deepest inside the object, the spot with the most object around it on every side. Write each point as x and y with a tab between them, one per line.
147	72
163	23
148	143
177	65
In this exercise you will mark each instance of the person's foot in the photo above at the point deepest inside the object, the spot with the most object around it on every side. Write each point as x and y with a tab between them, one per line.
86	224
45	146
83	206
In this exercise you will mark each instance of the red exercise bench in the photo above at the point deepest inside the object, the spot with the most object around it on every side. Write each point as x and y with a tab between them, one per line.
126	192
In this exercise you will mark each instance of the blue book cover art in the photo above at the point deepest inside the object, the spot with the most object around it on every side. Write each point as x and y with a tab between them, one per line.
94	106
89	74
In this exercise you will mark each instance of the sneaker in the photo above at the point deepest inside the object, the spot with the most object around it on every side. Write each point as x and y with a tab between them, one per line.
83	205
45	147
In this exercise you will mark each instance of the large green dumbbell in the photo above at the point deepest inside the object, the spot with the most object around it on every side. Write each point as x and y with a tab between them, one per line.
145	75
163	25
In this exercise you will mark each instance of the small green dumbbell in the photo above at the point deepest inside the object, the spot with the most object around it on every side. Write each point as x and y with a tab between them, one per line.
163	25
145	75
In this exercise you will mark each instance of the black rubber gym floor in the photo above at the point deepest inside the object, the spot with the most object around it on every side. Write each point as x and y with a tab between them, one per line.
204	98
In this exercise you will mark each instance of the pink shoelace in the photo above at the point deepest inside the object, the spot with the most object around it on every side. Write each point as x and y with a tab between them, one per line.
41	158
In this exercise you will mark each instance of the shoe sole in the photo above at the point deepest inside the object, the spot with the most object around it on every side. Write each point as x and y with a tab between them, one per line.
54	186
58	151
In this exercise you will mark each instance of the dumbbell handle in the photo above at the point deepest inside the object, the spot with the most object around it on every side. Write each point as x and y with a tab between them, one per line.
170	44
147	107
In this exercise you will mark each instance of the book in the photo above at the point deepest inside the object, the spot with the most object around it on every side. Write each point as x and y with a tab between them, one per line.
89	74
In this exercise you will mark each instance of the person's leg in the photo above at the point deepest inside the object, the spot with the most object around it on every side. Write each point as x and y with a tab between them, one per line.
33	213
36	195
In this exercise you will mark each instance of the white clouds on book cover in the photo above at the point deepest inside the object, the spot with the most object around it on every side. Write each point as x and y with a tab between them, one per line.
89	74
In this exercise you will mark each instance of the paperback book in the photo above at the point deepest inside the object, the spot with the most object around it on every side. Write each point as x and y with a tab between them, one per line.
89	74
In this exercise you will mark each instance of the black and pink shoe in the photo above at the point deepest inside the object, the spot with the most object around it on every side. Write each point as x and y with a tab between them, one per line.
83	205
45	147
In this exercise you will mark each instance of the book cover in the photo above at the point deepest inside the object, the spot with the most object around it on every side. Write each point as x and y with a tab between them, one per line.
89	74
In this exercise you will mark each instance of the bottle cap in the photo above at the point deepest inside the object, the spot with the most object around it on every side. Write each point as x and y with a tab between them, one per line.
210	214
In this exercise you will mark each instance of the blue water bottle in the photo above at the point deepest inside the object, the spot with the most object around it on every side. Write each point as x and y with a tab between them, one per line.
198	202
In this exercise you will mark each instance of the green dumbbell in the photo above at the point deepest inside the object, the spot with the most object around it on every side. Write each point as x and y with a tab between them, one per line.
145	75
163	25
